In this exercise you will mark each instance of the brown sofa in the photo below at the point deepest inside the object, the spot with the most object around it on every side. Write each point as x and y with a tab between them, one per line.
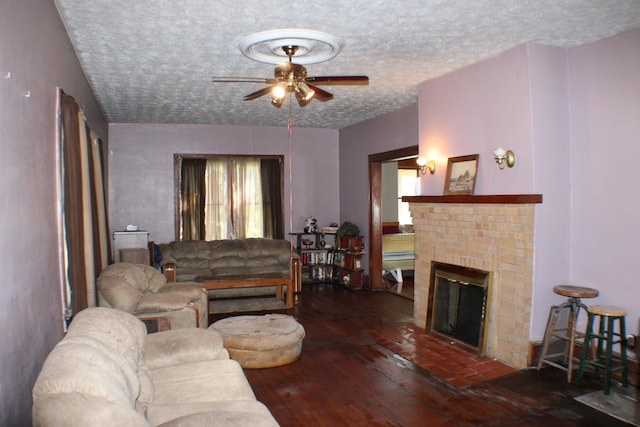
235	268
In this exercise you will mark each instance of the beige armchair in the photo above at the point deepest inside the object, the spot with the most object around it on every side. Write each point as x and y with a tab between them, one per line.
143	291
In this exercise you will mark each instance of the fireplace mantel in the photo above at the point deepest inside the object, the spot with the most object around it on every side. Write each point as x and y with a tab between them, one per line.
506	199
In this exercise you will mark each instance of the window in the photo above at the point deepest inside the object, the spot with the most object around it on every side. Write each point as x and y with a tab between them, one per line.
233	199
229	197
407	182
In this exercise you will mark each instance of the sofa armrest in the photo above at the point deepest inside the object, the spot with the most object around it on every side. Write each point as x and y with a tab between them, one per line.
159	302
113	292
169	270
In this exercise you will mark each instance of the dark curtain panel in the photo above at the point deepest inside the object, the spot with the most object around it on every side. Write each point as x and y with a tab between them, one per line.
192	196
270	171
73	212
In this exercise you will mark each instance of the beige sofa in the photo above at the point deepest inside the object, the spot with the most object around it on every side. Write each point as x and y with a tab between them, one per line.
229	268
143	291
108	372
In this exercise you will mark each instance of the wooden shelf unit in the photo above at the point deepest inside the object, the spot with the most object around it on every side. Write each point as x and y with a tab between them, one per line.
340	263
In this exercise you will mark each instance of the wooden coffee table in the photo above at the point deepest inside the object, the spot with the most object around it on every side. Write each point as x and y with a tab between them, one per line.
233	282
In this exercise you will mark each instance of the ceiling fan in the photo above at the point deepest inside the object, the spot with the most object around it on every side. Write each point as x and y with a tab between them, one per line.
290	77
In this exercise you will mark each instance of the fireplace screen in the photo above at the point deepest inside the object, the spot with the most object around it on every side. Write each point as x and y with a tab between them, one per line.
458	303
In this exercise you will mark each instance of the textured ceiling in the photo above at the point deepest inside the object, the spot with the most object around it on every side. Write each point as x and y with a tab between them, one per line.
151	61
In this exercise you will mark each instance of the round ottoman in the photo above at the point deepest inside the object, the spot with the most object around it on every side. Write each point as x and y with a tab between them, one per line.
261	341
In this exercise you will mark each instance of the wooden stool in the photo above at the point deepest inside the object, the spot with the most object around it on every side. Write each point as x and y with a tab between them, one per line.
607	315
568	334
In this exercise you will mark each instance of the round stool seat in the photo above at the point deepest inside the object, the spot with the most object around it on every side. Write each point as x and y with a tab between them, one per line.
607	310
261	341
575	291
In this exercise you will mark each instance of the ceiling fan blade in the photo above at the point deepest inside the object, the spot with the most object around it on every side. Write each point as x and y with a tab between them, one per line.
242	80
338	80
320	94
258	93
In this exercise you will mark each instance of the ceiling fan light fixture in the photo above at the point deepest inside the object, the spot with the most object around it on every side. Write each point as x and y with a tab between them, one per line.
279	91
304	94
276	102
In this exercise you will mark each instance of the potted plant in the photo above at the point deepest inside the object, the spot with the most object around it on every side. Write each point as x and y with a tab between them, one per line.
348	236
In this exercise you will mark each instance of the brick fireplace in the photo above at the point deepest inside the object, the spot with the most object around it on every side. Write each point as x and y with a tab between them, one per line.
490	233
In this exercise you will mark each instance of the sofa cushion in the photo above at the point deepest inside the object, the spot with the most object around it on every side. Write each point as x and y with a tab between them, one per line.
224	380
228	260
188	253
225	413
178	346
223	248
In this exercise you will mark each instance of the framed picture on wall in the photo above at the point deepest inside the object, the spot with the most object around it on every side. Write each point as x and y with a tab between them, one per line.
461	174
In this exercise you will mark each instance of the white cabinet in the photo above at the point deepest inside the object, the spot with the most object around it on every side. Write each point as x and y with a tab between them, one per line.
125	240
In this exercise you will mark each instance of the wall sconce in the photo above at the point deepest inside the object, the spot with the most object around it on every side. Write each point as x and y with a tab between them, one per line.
424	165
503	157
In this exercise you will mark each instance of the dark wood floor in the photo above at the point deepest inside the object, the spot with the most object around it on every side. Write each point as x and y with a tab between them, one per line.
343	378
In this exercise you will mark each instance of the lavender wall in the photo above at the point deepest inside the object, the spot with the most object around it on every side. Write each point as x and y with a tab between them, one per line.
473	111
552	178
388	132
605	148
515	100
35	56
563	112
141	172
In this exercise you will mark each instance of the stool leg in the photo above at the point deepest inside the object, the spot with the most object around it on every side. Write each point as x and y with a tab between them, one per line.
600	340
623	350
585	349
571	331
551	323
607	366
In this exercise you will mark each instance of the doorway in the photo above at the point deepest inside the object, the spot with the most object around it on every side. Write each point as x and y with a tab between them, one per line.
375	208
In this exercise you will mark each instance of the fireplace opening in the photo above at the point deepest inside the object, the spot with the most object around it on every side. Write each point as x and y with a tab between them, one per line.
458	304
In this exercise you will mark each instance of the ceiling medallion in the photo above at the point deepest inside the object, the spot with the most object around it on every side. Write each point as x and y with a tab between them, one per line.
313	46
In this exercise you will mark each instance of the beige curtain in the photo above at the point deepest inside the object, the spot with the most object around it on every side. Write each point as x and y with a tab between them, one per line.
247	192
102	247
217	212
233	207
